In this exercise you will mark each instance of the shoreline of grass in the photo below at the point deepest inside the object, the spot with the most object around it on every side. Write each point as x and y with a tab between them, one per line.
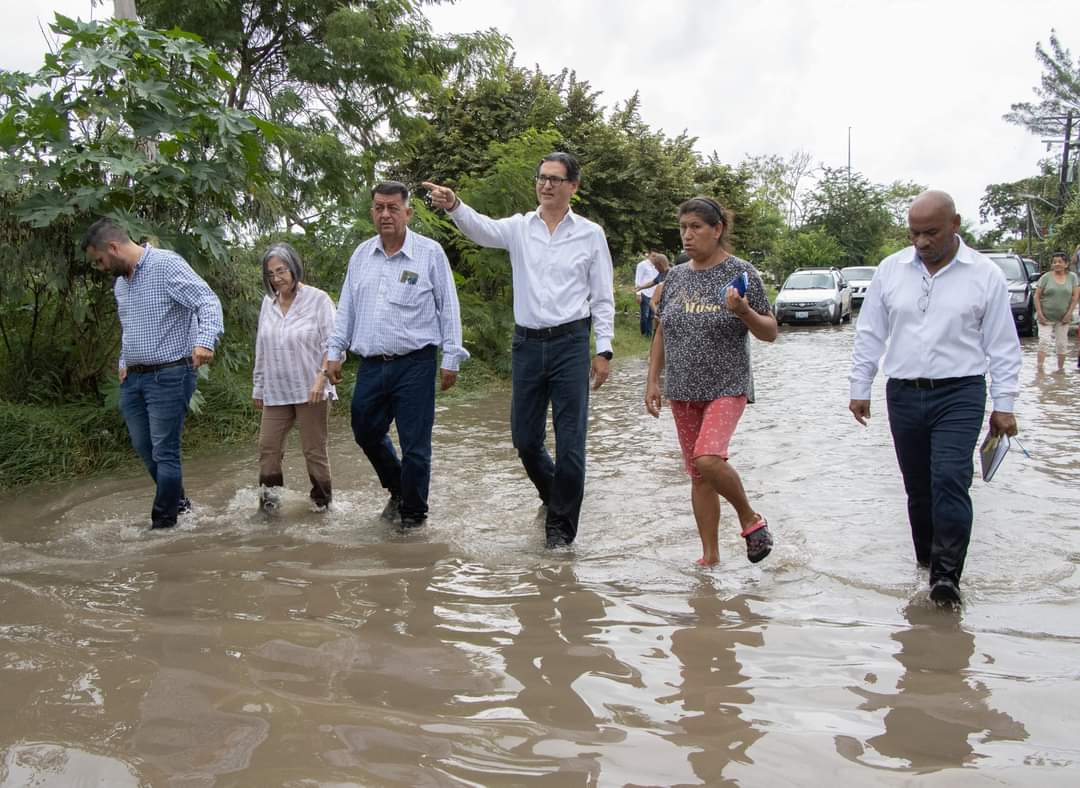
50	443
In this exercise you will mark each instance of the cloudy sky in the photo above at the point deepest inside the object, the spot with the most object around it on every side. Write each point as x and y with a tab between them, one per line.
921	83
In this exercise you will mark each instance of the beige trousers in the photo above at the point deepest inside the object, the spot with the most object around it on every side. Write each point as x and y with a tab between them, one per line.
277	421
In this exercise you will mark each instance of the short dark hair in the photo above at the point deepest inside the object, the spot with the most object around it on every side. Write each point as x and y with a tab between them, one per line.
286	254
102	232
1059	254
392	187
712	213
573	169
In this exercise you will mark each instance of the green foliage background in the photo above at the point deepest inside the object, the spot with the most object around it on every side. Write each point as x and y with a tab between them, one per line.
215	127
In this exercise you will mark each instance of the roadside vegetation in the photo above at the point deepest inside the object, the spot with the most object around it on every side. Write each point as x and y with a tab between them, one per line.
213	131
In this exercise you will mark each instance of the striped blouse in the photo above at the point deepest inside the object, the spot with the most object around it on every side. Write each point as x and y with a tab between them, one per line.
289	347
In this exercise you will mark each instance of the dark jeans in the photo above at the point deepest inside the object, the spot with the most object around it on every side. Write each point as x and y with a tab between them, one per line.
935	432
402	391
554	371
646	316
154	405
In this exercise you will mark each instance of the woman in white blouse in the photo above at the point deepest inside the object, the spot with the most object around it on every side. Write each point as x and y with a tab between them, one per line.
290	379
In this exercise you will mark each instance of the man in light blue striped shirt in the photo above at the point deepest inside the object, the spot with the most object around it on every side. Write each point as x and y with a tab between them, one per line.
170	321
398	305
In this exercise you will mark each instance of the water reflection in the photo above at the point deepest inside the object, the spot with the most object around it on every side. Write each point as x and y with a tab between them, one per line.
932	720
335	650
711	694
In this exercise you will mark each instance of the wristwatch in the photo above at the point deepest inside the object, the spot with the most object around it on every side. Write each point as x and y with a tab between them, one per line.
606	354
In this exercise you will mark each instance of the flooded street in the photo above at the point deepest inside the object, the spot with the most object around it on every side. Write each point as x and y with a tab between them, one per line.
333	650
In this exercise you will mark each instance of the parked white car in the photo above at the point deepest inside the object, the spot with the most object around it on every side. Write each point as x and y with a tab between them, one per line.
814	295
858	278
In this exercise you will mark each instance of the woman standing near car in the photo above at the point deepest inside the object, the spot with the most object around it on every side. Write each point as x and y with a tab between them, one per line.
701	341
290	382
1056	295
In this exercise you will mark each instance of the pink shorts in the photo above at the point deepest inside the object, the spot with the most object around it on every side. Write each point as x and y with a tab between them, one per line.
705	427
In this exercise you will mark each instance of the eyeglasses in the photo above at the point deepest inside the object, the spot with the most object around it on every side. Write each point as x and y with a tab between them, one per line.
279	273
554	180
927	289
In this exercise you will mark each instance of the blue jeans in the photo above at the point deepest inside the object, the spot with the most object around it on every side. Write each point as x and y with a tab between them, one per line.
556	372
646	316
154	405
401	391
934	432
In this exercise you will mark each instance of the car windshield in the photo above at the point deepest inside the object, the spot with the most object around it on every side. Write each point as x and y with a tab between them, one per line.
858	272
808	281
1010	266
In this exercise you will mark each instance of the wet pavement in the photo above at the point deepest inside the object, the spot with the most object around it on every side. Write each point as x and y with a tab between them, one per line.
335	650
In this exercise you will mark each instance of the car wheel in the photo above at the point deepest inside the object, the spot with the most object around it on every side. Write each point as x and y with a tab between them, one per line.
836	318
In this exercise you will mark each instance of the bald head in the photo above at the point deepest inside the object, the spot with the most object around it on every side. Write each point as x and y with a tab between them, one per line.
934	201
932	225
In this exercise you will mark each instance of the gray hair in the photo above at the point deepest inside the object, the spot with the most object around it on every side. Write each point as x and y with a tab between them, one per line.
289	256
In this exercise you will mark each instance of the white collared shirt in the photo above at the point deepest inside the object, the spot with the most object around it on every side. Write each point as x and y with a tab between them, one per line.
559	276
646	272
966	328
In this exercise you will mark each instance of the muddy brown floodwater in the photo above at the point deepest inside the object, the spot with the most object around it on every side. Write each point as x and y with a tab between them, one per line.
335	651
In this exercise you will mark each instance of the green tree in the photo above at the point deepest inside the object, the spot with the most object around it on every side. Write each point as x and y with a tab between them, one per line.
342	78
804	248
1024	210
123	122
1057	113
1058	92
854	212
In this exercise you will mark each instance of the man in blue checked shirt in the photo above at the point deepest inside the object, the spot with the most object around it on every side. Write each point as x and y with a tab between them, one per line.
170	321
398	306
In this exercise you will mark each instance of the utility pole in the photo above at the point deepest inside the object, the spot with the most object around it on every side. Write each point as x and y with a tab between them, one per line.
124	9
849	157
1063	184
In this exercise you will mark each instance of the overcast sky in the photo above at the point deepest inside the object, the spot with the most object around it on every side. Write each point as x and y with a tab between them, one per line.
922	83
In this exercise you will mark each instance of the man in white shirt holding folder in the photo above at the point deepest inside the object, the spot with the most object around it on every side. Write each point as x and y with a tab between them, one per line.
563	285
939	313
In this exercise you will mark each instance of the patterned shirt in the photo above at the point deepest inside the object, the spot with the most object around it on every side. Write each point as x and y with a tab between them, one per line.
706	354
289	347
395	305
165	309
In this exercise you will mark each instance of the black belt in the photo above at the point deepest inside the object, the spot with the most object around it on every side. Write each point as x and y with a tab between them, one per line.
938	383
550	333
144	368
384	357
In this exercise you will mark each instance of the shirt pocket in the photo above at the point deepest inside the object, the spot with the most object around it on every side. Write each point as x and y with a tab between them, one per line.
404	294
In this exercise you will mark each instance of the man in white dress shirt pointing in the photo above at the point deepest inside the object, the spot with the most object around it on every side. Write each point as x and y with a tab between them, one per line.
562	278
939	312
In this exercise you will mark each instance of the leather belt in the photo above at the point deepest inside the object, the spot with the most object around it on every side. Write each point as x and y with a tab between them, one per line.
938	383
144	368
382	358
552	332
